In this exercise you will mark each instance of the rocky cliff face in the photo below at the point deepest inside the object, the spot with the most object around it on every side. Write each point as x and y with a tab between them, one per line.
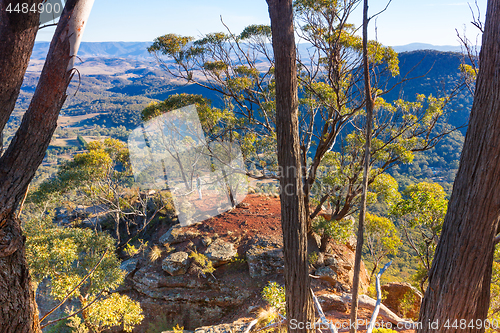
244	247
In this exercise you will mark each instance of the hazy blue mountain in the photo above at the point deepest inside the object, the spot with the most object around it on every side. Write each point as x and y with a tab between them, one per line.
138	50
101	49
423	46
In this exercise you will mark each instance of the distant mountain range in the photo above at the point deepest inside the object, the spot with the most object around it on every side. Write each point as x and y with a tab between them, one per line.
101	49
138	50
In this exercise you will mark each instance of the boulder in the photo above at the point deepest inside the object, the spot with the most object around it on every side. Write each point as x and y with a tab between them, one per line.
129	265
264	261
369	303
178	234
403	299
176	263
221	252
330	260
326	271
341	260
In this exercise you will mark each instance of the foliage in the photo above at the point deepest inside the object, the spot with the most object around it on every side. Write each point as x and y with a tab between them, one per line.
274	295
178	329
113	311
407	303
332	115
155	253
338	230
494	310
421	214
65	256
383	330
131	250
382	239
203	262
99	178
312	258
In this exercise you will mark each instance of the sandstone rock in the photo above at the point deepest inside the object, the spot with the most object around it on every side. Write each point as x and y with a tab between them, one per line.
326	271
149	278
176	263
221	252
351	243
178	234
129	265
206	241
236	327
264	261
367	302
343	265
400	293
331	302
330	261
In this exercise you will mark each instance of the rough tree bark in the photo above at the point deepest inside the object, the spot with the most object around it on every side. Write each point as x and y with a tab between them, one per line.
460	276
17	37
18	164
366	170
299	306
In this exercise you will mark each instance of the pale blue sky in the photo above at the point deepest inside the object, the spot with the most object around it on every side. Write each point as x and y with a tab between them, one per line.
404	22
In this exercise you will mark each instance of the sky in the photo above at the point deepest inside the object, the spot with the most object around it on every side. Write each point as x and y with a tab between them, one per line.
404	21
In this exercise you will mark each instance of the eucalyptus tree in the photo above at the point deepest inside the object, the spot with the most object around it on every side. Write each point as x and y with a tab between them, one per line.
19	162
467	244
240	68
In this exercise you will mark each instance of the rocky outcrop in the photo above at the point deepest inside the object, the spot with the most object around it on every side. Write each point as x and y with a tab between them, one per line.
178	234
403	299
221	252
263	261
176	263
187	299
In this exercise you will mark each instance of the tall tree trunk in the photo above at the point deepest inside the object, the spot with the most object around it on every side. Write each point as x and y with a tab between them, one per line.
299	307
17	37
460	276
366	171
18	312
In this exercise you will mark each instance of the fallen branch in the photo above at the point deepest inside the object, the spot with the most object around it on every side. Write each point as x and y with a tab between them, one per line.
252	324
322	316
379	298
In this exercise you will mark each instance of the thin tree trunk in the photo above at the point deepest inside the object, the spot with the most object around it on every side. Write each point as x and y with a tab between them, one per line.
366	170
18	311
299	306
460	276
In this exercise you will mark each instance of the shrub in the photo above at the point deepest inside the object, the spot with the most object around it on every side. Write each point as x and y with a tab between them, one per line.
155	253
203	262
274	295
